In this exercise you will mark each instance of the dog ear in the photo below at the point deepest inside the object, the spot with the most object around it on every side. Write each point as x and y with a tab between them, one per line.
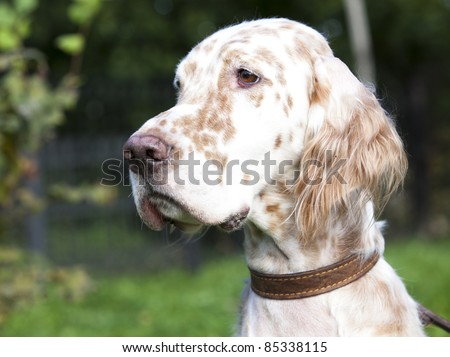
352	152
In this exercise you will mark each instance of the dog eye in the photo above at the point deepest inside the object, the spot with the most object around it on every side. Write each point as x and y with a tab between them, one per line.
247	78
177	84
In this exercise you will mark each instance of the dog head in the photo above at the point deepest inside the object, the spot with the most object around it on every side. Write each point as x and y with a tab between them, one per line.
263	110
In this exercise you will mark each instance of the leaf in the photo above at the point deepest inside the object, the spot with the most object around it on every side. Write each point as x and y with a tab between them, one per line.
81	12
92	193
8	40
23	28
25	6
7	17
71	44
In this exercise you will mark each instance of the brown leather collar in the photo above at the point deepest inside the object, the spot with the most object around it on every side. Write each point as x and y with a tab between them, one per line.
313	282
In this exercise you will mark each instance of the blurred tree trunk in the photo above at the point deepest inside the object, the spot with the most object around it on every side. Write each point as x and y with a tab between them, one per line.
360	39
418	132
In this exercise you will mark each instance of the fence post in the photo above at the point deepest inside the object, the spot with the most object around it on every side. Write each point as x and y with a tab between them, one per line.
36	222
192	255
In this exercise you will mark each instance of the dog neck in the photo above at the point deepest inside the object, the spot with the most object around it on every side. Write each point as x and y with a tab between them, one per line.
273	246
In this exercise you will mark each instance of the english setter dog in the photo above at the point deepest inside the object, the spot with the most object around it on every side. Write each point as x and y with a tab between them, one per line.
273	134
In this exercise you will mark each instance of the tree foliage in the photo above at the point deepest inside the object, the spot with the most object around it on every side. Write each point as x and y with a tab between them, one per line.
31	107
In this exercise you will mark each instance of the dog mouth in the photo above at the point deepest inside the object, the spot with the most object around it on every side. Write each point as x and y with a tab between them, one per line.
158	210
151	216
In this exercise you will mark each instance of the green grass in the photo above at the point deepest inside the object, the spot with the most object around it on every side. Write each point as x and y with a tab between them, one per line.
174	303
177	303
425	269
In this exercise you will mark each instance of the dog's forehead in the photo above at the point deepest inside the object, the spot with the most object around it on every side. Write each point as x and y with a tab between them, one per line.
241	38
261	40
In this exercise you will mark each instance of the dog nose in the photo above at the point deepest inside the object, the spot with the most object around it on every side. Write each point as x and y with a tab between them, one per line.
142	151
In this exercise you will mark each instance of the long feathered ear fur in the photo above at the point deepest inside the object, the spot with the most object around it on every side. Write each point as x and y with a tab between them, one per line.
352	152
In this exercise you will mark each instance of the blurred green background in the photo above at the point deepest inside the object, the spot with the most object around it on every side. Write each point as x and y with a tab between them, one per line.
78	77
